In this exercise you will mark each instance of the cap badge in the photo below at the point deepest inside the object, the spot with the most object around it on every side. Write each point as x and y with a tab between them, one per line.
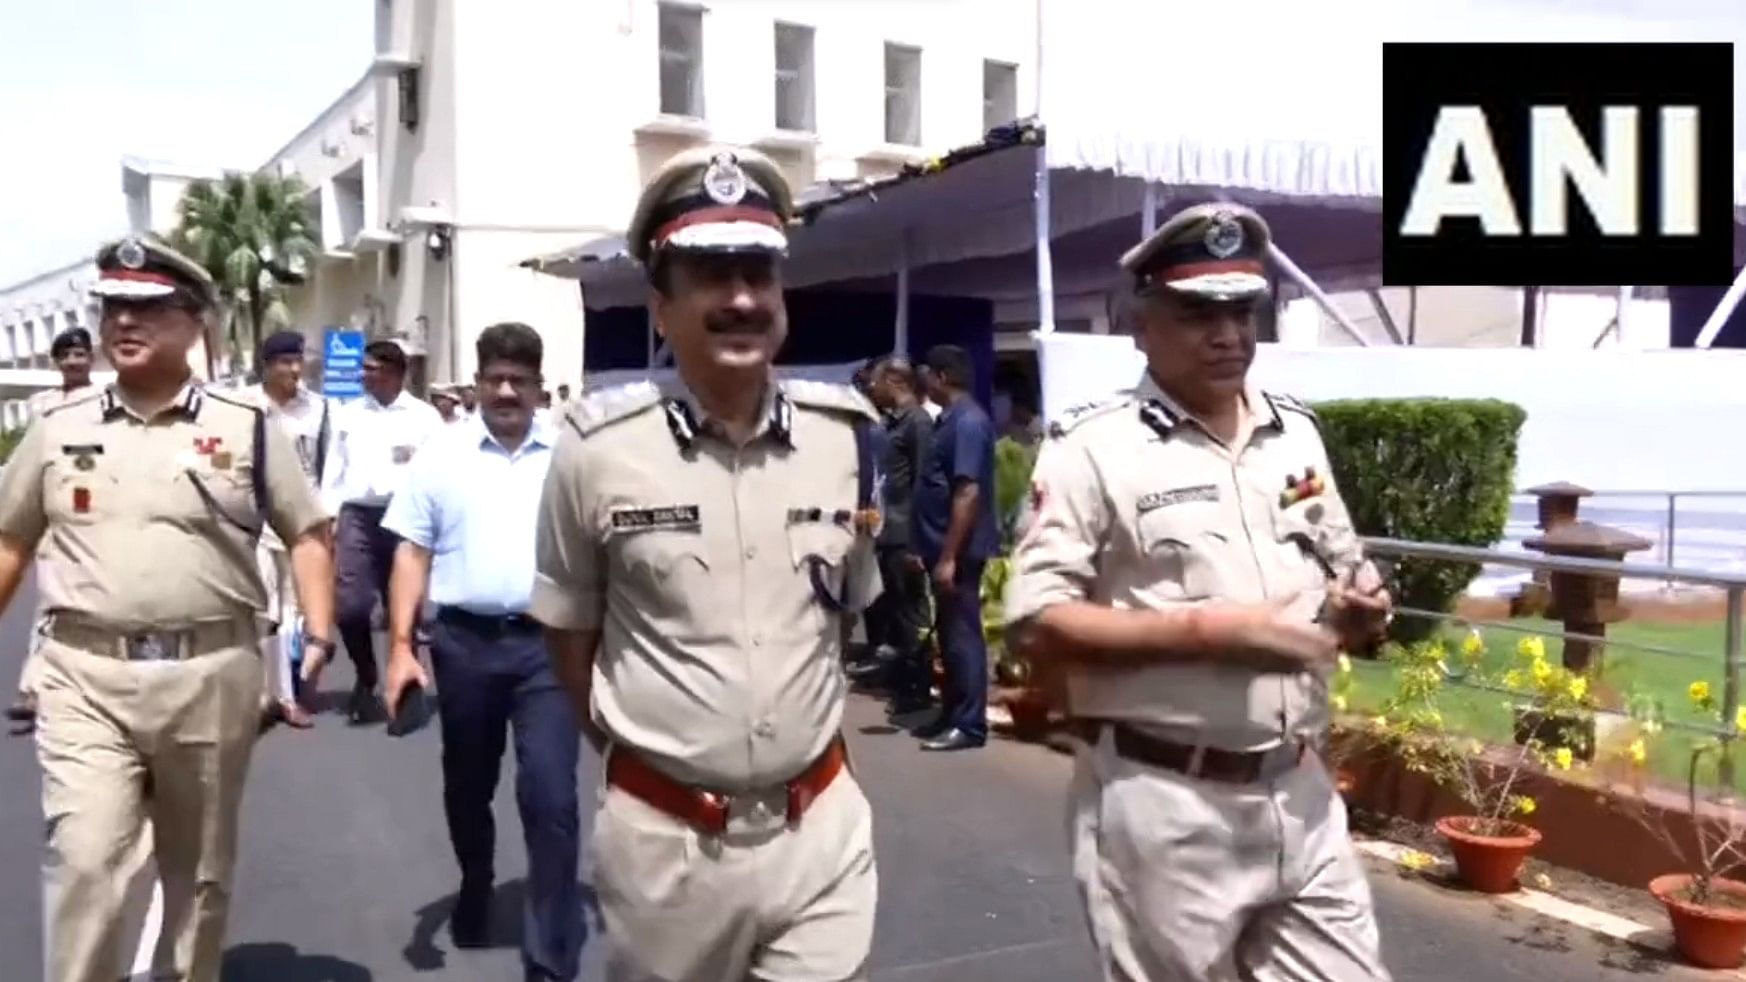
131	254
1225	236
724	182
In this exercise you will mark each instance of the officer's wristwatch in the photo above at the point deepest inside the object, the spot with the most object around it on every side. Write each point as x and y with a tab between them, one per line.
324	645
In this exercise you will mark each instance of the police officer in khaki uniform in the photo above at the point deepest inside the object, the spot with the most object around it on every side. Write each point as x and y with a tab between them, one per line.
146	498
71	353
699	542
1191	572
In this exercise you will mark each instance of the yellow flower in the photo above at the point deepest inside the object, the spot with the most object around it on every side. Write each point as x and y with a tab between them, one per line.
1380	722
1526	805
1542	671
1531	648
1578	686
1415	860
1740	719
1475	747
1473	646
1339	703
1563	758
1434	718
1345	664
1699	692
1512	679
1637	751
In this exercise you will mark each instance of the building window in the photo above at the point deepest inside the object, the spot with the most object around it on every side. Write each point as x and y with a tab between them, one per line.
681	41
999	94
902	95
794	85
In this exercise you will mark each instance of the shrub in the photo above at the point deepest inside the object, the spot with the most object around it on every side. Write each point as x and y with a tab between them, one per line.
9	442
1426	470
1013	462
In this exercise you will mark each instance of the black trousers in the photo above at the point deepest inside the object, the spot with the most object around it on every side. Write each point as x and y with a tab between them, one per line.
901	619
363	557
493	679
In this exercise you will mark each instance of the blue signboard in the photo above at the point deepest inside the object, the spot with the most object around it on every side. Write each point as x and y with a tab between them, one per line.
342	364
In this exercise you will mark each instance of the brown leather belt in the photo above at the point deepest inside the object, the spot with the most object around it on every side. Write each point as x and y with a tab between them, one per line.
1206	763
708	810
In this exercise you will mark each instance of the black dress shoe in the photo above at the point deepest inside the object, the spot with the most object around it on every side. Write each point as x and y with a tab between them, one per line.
929	731
470	920
905	705
365	708
952	739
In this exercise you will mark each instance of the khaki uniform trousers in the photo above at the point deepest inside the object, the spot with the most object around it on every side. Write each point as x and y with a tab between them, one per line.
762	901
121	743
282	609
1186	880
32	670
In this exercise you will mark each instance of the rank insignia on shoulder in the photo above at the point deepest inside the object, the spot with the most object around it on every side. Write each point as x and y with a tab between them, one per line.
1303	488
650	519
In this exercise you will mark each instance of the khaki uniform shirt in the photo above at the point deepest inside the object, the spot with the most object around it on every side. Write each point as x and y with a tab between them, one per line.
152	523
1137	507
693	558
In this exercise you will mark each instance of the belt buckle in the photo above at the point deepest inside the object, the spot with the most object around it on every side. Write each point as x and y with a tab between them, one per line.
714	807
152	646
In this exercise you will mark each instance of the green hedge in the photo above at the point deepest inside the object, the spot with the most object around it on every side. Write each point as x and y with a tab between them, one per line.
9	442
1426	470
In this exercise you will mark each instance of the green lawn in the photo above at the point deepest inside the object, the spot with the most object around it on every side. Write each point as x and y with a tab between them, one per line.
1658	676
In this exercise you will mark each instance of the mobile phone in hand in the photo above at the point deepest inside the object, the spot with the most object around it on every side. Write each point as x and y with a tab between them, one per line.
413	712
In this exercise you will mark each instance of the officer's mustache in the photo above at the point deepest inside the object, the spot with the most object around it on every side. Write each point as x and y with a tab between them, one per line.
737	322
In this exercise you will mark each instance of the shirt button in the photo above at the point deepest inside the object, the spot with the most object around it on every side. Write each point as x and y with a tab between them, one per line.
765	728
751	552
757	640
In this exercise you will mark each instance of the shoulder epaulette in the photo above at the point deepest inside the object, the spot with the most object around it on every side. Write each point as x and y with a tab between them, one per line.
233	398
1075	416
1293	403
829	396
83	399
596	410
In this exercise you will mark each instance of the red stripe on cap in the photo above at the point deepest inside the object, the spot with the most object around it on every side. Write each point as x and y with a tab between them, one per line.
138	275
1211	268
723	213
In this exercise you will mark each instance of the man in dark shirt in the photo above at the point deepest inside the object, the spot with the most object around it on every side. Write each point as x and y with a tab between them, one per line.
902	610
955	535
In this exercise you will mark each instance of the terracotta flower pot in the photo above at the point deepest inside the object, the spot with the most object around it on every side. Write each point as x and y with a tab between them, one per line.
1710	935
1030	714
1488	863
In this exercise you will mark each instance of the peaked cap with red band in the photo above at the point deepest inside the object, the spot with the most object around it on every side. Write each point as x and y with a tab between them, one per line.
1213	251
712	199
145	268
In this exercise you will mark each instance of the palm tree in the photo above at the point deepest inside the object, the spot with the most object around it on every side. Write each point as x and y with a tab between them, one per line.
255	234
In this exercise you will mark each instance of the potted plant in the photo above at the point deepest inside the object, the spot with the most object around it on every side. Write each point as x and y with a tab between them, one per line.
1705	907
1016	683
1489	841
1342	744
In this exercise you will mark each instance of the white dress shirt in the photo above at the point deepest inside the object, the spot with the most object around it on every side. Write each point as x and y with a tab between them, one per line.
299	418
372	444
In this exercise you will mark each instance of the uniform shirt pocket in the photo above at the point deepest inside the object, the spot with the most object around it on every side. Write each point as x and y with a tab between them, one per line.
79	497
1181	548
665	565
820	552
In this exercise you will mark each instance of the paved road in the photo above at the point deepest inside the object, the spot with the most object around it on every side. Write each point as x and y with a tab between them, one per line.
346	872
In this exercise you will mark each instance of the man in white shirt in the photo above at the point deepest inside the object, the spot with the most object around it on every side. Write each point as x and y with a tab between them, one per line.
306	418
448	404
374	439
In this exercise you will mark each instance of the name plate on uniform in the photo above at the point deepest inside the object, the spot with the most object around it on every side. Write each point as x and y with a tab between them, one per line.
665	517
1178	496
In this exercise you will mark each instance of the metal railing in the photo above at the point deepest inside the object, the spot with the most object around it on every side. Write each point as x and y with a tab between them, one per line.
1732	585
1668	525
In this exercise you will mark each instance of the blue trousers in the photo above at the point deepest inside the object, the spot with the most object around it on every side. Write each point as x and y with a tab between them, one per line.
958	629
493	679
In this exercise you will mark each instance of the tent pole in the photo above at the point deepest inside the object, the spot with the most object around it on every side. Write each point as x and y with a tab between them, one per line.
1045	261
1309	286
1723	311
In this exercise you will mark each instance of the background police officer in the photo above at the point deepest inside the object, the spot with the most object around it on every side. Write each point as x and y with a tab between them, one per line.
146	498
71	353
1190	567
708	535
